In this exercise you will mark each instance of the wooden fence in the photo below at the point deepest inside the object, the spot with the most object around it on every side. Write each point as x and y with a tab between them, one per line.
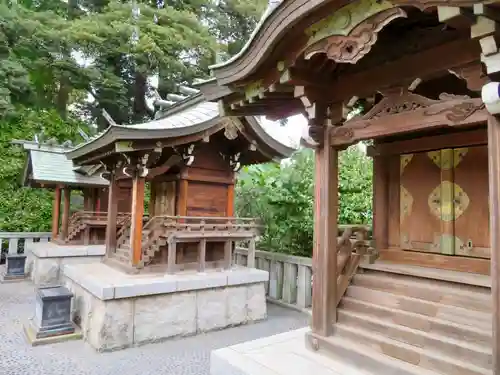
290	277
15	242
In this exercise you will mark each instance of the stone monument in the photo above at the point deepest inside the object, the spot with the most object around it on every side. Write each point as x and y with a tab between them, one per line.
15	266
52	320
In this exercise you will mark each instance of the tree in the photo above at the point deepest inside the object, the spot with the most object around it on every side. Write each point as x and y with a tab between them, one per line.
282	197
25	209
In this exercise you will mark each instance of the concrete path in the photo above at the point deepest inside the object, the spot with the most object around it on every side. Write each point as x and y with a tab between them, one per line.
188	356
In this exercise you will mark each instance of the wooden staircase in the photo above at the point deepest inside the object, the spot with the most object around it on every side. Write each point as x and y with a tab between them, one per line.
394	322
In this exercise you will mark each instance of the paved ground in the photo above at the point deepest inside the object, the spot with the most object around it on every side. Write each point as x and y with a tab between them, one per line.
189	356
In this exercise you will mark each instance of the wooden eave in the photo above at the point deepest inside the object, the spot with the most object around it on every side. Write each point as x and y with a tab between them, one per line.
293	15
117	133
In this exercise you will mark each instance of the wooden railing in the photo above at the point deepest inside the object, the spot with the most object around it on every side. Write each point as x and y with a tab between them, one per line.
16	242
159	226
291	277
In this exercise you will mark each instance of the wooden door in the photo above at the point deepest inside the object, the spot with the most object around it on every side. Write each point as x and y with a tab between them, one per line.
444	202
472	230
419	226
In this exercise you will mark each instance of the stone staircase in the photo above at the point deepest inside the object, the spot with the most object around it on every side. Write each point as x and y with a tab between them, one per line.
394	323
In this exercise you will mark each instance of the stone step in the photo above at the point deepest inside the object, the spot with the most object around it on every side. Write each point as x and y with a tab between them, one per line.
477	319
477	355
469	297
424	358
419	322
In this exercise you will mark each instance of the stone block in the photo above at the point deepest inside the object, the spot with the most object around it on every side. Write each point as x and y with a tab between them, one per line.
256	302
111	324
145	288
247	276
164	316
211	309
201	281
79	260
53	312
236	305
45	271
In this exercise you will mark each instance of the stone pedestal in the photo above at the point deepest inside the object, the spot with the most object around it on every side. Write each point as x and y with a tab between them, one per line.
116	310
14	269
52	314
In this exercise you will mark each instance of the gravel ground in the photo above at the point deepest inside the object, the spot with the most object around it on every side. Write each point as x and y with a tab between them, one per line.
188	356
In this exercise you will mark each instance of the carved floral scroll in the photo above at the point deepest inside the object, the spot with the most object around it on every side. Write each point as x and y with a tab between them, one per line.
352	47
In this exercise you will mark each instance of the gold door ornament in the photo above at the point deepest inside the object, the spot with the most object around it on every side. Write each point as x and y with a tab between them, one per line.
448	201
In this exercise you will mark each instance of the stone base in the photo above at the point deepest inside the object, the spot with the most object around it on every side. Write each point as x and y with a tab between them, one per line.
50	337
46	259
117	310
4	278
283	354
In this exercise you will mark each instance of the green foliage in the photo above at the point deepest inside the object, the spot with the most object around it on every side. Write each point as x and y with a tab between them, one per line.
54	54
282	197
21	208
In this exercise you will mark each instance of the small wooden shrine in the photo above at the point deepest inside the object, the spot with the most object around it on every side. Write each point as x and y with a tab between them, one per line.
187	158
47	167
414	71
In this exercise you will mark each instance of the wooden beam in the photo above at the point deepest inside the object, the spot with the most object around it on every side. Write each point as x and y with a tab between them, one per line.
467	138
381	201
56	211
65	215
494	189
113	191
456	17
452	113
138	183
420	65
324	313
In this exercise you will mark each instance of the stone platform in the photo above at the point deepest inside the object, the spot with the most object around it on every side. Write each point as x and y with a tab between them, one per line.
116	310
46	259
282	354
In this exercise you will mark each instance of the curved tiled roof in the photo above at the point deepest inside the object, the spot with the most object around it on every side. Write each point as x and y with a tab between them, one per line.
47	164
190	115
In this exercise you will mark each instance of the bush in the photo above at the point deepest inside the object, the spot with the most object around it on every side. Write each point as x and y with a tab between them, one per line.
282	197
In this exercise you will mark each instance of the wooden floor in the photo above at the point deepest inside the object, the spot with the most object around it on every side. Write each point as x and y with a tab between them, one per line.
433	260
431	273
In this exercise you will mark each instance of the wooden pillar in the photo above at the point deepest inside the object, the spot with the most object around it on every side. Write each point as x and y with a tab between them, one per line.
112	211
324	297
65	215
494	195
56	211
182	198
202	255
137	216
230	201
381	202
87	199
228	248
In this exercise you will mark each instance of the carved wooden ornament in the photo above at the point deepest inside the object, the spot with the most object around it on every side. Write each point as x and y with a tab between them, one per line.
352	47
406	112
